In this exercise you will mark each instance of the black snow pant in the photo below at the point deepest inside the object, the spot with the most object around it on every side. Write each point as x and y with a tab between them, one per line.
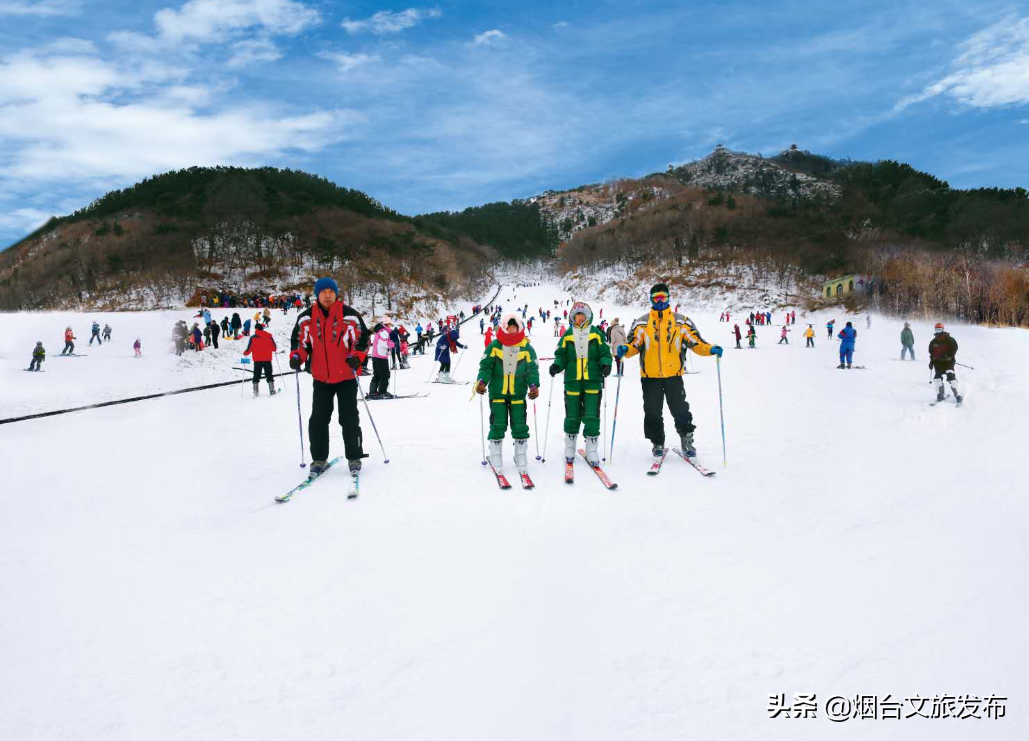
810	342
655	392
69	347
349	419
263	367
96	336
214	338
380	376
36	364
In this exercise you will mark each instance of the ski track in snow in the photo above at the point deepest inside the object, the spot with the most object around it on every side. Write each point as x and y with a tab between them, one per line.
858	542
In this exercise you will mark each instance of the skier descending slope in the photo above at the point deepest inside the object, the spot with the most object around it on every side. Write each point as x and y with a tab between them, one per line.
446	344
508	370
333	338
943	350
585	359
848	338
658	337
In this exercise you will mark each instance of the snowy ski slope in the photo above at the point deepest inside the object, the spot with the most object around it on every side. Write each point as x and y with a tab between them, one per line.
858	542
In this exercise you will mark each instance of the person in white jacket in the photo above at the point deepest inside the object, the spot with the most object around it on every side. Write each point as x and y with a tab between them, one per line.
379	349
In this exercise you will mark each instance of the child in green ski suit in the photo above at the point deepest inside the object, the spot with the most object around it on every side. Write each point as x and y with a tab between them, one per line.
585	359
508	370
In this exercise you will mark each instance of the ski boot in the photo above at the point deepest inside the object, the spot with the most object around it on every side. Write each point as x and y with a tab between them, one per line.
256	389
940	396
848	366
496	454
521	458
570	446
687	445
354	465
271	388
658	451
592	452
841	366
316	468
386	395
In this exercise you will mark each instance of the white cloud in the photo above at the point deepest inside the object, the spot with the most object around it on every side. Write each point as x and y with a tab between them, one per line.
216	20
349	62
84	117
560	24
992	71
387	22
45	9
23	219
245	53
488	38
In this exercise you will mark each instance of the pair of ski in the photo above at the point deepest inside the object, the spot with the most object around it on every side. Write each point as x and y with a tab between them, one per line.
355	483
940	401
397	396
655	467
601	474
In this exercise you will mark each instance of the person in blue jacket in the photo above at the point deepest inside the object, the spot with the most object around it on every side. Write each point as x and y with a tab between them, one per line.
847	337
446	344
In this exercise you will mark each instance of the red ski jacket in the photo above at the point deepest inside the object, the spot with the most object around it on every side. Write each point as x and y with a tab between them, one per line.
324	341
262	345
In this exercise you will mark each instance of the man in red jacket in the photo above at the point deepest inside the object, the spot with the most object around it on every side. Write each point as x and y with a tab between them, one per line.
262	346
331	341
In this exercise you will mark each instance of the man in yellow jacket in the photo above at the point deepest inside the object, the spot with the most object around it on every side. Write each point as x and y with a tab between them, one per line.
660	338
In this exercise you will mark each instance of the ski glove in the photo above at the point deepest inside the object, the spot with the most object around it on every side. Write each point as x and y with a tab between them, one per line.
480	387
622	349
716	350
554	370
533	392
354	362
294	361
605	370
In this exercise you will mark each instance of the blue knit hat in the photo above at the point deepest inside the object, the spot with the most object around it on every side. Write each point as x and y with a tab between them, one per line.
324	283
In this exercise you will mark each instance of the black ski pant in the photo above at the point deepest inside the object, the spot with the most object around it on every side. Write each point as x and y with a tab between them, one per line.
36	364
656	391
349	419
214	339
263	367
810	342
96	336
380	376
69	347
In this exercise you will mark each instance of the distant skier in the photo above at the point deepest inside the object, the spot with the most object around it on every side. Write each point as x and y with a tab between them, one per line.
262	347
332	340
379	350
943	350
809	336
138	348
658	337
868	321
236	324
584	357
751	337
737	335
107	332
95	335
69	342
782	337
509	371
198	339
847	338
482	327
38	356
445	345
246	328
215	331
907	341
616	338
207	335
829	326
488	337
225	327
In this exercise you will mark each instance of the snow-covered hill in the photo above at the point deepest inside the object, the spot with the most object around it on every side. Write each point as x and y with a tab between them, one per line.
858	542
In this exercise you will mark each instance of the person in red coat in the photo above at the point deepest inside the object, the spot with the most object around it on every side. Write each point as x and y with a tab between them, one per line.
262	347
331	341
489	335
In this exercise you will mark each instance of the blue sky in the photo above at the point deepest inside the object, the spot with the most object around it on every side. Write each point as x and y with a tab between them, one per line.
443	106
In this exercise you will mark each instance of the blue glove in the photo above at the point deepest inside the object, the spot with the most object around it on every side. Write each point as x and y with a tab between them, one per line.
716	350
620	352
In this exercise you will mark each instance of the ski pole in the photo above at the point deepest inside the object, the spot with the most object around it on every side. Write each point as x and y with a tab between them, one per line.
963	365
300	420
482	428
721	413
614	419
368	411
546	432
603	430
536	429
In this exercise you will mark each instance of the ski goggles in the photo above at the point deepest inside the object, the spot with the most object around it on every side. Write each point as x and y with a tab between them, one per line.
658	297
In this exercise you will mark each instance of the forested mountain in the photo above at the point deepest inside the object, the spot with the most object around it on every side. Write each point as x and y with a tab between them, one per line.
164	239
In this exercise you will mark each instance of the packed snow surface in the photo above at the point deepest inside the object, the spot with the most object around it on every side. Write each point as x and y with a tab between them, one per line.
859	541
